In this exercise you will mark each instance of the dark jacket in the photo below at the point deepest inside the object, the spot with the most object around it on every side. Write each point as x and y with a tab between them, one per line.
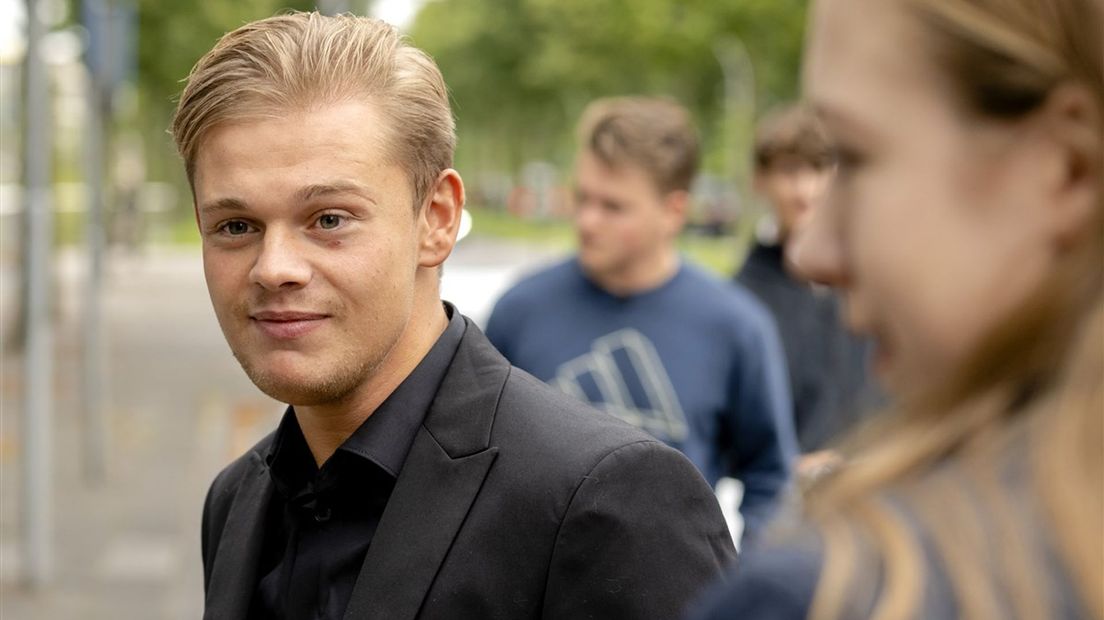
830	378
515	502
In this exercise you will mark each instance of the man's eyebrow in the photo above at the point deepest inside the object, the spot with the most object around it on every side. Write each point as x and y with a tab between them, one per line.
224	204
318	190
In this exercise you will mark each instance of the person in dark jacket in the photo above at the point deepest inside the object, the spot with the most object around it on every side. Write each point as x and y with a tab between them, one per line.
829	368
415	473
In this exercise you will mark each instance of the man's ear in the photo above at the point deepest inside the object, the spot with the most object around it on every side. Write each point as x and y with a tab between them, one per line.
1074	124
439	221
759	181
676	207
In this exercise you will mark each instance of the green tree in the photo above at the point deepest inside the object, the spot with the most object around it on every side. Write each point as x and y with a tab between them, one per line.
172	36
520	71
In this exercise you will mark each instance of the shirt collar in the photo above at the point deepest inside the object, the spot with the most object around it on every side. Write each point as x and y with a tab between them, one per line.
386	436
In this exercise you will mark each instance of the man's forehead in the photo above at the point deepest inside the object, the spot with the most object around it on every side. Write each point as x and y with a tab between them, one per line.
623	173
351	130
359	115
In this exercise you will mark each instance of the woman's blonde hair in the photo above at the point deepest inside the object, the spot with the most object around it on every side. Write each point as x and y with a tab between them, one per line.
934	484
297	61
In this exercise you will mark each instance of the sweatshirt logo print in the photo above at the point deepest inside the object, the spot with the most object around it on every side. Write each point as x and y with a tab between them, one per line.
623	375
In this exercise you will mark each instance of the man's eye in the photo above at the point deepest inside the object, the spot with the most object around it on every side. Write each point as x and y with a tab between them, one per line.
236	227
329	221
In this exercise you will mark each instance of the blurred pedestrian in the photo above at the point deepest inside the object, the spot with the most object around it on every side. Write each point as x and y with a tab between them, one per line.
414	474
631	327
829	369
965	225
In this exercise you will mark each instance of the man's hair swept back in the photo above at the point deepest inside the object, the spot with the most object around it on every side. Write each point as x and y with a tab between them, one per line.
299	61
653	133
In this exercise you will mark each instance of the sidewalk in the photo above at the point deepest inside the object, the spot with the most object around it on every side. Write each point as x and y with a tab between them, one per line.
178	409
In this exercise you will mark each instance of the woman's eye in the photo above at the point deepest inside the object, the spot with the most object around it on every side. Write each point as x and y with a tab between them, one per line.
846	160
329	221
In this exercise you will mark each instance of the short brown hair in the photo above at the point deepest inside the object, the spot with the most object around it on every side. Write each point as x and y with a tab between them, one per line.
791	130
299	60
654	133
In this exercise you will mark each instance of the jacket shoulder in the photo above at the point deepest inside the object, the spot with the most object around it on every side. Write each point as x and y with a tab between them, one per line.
545	419
231	476
220	495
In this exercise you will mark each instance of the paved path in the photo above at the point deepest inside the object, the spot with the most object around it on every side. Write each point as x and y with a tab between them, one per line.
179	409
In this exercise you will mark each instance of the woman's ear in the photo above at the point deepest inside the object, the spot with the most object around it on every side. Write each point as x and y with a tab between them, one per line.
440	219
1073	121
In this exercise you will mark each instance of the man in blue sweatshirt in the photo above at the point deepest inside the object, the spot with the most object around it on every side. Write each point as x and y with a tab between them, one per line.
629	326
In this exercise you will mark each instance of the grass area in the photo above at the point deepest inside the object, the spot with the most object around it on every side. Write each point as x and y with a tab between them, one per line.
722	255
183	231
495	224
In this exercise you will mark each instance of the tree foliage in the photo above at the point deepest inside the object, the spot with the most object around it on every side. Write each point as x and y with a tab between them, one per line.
520	71
172	37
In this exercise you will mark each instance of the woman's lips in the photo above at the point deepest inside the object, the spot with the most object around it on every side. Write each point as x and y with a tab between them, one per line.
287	325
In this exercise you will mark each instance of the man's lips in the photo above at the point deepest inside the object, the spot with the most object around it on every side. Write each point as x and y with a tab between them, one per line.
287	324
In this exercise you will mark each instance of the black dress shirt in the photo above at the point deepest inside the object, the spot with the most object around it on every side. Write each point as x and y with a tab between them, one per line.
321	520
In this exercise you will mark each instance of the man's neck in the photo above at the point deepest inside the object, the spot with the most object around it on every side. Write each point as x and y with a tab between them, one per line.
326	427
641	277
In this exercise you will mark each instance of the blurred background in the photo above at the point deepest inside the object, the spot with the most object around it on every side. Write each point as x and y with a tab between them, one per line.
119	399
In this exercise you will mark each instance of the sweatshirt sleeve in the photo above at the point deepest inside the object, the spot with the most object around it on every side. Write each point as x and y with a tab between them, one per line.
501	327
764	446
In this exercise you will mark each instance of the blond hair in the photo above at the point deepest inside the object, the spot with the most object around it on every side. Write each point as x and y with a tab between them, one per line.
999	477
297	61
653	133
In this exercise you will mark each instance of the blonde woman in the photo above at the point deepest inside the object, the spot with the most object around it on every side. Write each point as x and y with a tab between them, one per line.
965	228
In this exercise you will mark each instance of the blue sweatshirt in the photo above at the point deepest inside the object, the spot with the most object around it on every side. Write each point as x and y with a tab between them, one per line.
697	362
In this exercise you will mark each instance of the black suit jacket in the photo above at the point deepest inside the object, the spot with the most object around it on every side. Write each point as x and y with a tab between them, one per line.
515	502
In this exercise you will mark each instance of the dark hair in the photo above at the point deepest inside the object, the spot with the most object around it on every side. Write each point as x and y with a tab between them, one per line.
791	130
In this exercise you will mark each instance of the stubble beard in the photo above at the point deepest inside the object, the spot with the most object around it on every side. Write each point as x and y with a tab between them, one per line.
326	384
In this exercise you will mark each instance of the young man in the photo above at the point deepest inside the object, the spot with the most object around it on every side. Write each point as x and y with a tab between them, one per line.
631	328
414	474
829	378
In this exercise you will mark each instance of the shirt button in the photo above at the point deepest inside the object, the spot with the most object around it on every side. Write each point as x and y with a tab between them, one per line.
322	514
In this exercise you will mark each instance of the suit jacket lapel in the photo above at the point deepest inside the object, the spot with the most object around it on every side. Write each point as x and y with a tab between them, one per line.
234	574
438	483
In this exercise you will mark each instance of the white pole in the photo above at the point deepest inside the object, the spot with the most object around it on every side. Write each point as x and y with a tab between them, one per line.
93	376
38	412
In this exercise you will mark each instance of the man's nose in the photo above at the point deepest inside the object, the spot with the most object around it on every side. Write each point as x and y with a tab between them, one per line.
811	185
281	264
586	216
815	250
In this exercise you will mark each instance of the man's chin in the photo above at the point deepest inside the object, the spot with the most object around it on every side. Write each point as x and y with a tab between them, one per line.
592	263
298	389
